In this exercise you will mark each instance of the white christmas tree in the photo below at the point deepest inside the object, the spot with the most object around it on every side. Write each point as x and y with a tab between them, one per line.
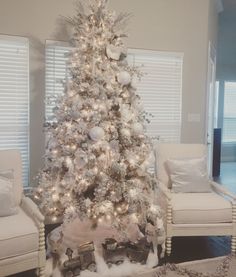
97	153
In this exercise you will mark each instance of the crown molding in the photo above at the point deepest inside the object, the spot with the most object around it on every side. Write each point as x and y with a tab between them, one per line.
219	6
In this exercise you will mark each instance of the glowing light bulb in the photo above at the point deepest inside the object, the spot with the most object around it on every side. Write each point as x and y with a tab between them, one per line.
95	170
83	46
71	208
108	217
54	218
68	161
55	197
68	125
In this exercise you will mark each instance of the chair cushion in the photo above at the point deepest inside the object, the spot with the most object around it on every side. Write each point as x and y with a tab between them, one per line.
18	235
200	208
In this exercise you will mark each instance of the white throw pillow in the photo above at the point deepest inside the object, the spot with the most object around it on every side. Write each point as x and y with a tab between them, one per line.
188	175
7	202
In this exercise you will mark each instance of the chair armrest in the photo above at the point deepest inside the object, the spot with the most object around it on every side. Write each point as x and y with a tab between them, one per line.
164	190
32	210
223	190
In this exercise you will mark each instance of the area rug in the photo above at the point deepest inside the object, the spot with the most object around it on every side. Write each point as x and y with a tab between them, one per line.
216	267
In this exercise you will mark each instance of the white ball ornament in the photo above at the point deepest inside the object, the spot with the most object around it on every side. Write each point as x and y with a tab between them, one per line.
137	128
124	78
96	133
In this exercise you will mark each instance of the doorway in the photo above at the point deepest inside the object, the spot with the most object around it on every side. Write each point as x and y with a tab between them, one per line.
226	77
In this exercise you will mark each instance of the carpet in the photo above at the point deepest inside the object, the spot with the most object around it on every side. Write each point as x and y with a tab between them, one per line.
215	267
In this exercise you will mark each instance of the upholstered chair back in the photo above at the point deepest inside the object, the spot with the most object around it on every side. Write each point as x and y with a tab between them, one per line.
11	160
165	151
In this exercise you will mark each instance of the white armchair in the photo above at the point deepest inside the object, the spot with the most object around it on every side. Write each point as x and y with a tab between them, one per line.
22	242
194	214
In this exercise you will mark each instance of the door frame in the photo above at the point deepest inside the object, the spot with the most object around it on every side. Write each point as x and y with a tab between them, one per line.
210	105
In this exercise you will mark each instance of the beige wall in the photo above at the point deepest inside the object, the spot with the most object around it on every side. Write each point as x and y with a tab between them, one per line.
213	23
169	25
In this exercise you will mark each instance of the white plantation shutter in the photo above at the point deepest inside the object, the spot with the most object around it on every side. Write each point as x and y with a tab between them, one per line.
14	97
56	72
161	91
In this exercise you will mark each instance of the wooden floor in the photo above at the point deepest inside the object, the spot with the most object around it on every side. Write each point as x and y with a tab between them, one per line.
228	176
196	248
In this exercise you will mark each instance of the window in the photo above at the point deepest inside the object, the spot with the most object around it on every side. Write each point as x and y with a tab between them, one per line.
14	97
56	73
161	91
229	123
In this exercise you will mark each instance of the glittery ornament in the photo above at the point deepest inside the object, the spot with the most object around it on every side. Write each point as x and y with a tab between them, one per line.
113	52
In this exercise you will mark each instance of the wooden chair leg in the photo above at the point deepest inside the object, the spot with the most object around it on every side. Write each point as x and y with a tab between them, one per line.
168	246
233	244
40	272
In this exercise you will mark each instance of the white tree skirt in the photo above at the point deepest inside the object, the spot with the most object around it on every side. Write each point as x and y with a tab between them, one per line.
216	267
